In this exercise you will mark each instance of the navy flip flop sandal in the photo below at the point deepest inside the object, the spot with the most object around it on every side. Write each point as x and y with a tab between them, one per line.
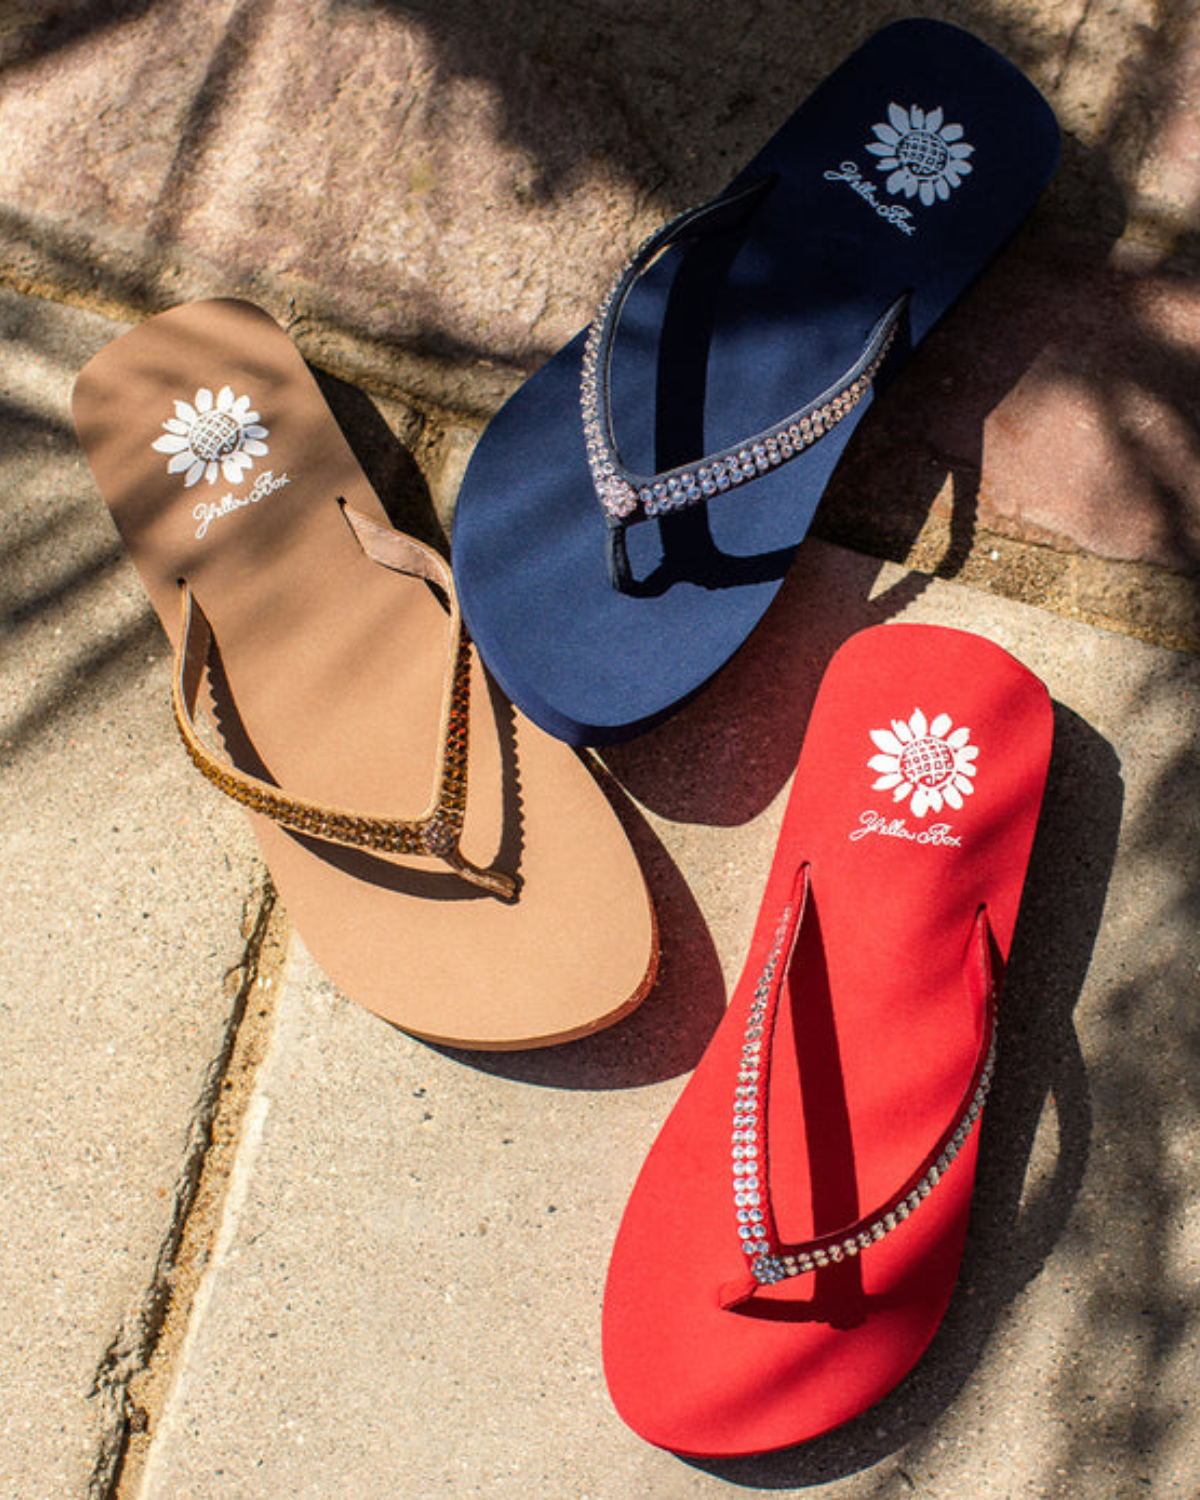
631	512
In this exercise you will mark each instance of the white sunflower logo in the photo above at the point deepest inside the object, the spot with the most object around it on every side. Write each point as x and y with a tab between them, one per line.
924	156
927	761
212	435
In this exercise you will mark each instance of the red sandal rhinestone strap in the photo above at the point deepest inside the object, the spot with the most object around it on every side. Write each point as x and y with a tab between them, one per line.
771	1260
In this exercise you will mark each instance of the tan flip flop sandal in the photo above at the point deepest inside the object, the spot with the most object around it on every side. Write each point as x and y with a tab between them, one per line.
448	864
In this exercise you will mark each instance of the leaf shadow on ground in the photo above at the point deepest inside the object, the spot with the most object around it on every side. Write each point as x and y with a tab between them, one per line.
695	93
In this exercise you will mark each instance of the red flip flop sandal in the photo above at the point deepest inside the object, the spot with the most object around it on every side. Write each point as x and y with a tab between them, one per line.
793	1239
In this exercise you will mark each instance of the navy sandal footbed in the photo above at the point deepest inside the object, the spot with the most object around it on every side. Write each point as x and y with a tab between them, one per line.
722	336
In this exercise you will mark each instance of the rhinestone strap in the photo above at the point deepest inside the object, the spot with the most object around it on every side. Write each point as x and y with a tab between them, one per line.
626	497
770	1260
438	831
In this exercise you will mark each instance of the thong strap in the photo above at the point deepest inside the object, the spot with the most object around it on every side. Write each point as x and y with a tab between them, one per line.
626	497
768	1259
438	830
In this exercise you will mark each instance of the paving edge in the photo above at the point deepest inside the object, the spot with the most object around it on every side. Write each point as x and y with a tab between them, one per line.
438	413
132	1378
1138	599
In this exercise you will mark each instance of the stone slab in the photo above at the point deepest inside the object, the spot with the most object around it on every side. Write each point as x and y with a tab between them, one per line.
1058	404
431	197
120	916
404	1297
446	178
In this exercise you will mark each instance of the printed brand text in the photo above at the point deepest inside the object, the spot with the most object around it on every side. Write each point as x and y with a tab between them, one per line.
893	213
209	511
897	828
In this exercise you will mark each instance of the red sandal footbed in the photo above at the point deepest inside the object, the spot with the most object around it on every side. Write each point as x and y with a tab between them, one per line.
794	1236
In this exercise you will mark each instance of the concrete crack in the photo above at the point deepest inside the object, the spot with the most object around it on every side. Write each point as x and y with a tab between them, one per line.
134	1367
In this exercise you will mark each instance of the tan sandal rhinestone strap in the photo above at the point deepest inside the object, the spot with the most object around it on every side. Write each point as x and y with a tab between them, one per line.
769	1259
438	830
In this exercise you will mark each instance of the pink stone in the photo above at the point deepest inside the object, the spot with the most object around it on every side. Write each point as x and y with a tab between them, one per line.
1068	380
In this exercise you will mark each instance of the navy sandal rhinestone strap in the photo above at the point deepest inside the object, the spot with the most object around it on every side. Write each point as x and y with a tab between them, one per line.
770	1259
627	498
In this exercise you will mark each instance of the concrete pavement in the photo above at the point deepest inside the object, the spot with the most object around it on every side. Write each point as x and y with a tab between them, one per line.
404	1294
255	1242
127	904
